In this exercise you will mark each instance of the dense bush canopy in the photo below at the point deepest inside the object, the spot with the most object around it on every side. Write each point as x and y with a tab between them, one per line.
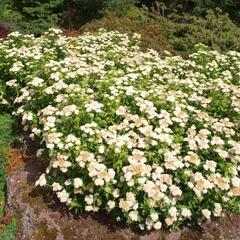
35	16
152	139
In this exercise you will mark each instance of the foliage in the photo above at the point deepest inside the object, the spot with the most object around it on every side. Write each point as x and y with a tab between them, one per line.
197	7
5	141
10	17
37	16
9	232
31	15
151	139
79	12
120	7
174	32
7	13
216	30
6	138
95	7
135	21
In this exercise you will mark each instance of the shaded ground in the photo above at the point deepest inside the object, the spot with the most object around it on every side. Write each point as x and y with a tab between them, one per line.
41	216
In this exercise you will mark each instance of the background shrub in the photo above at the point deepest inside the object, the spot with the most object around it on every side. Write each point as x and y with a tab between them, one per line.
120	7
216	30
197	7
78	12
9	16
173	32
191	19
32	16
134	21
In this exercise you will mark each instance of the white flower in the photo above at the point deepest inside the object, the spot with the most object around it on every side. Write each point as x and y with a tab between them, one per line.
41	181
12	83
36	81
84	157
217	209
236	182
56	187
101	149
111	204
99	182
222	153
93	106
69	110
133	216
172	211
210	165
16	66
176	191
121	111
170	220
192	158
206	213
154	216
77	182
157	225
62	163
89	199
63	196
116	193
186	213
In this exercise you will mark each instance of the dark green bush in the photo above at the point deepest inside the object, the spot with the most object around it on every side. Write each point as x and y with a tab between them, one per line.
197	7
174	32
216	30
120	7
34	16
9	16
39	15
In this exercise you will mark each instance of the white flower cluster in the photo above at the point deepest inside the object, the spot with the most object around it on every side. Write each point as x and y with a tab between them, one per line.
151	138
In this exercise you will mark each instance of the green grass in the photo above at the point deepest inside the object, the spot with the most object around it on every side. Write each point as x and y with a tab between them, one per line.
6	139
9	232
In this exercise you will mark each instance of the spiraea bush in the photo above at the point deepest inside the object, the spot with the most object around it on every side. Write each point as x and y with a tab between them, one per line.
150	138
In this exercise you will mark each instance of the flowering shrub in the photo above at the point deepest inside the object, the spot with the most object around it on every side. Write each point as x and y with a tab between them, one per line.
151	138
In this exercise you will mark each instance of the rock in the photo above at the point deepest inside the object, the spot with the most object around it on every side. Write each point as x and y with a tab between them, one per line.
41	216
